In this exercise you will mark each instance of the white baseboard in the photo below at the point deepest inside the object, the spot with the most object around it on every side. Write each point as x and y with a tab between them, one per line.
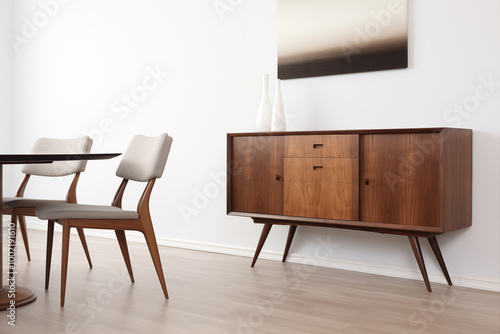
370	268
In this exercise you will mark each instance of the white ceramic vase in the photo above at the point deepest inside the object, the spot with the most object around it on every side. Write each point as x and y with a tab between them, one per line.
278	122
265	111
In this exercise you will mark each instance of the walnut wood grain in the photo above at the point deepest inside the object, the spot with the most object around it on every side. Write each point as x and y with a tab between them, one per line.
423	186
417	251
416	231
338	146
321	200
418	179
383	185
456	179
262	240
257	174
291	234
439	257
412	182
341	132
325	186
407	177
336	170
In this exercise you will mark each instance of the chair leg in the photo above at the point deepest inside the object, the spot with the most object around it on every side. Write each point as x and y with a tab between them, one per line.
64	260
48	252
81	234
122	241
24	234
149	234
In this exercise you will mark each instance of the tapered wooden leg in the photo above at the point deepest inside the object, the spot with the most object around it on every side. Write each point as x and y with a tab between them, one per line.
437	252
64	260
122	241
48	252
291	234
81	234
415	245
149	234
262	240
24	234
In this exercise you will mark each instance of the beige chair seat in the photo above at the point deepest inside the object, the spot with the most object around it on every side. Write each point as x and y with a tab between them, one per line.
21	202
63	210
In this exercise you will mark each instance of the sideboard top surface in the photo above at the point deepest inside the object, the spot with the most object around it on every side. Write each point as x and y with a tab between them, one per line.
360	131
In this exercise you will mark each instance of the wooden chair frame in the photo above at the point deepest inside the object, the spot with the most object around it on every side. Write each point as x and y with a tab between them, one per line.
142	224
18	214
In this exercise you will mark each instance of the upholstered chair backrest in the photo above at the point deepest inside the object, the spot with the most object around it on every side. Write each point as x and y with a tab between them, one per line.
59	168
145	158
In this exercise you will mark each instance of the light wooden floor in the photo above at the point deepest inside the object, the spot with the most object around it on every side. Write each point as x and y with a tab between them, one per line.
213	293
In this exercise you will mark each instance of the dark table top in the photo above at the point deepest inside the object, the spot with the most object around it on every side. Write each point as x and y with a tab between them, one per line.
23	158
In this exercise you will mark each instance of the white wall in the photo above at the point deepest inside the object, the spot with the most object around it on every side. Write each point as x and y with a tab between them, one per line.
6	77
5	82
71	74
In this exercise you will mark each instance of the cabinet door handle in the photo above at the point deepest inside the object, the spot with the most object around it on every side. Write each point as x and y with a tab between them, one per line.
317	146
317	167
278	177
367	182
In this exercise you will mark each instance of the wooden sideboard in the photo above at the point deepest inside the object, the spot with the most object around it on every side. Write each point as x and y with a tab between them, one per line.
410	182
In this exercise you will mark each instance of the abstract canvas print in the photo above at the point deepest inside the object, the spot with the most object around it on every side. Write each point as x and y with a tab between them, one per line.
326	37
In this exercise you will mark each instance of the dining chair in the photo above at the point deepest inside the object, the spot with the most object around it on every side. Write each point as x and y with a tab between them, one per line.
143	161
19	207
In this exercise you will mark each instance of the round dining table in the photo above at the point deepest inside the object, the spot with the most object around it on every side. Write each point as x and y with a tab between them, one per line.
13	295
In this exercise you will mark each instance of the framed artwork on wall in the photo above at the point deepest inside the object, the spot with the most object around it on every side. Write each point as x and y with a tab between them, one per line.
327	37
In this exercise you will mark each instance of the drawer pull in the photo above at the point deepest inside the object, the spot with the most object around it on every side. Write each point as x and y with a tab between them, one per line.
317	167
317	146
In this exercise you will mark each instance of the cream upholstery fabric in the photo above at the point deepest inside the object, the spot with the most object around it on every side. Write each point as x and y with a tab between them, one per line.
81	211
145	158
59	168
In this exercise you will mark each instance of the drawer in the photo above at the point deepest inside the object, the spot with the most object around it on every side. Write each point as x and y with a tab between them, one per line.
321	200
335	170
322	146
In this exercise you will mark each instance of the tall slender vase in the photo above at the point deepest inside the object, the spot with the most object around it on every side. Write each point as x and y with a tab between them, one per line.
278	122
264	113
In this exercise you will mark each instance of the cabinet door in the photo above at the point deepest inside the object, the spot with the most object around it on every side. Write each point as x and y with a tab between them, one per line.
424	194
399	179
257	174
